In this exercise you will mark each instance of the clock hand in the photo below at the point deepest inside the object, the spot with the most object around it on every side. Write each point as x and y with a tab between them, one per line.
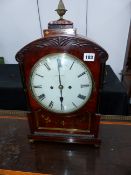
58	62
61	100
60	85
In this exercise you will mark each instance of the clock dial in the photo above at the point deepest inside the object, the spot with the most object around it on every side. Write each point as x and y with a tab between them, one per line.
61	83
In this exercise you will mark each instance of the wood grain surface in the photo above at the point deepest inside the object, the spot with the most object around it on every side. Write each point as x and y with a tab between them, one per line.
10	172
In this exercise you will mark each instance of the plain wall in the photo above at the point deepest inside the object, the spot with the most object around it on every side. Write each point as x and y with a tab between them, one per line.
107	24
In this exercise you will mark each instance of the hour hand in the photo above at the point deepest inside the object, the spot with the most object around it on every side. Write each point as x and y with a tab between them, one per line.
61	99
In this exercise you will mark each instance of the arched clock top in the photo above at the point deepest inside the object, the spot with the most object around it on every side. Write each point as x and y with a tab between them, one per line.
62	42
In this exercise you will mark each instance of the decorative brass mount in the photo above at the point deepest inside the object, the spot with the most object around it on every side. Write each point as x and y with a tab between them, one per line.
61	9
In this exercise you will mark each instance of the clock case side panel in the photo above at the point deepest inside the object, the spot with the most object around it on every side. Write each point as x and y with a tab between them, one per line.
76	46
20	58
29	114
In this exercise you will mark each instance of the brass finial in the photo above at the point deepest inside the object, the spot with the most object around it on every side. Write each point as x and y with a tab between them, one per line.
61	9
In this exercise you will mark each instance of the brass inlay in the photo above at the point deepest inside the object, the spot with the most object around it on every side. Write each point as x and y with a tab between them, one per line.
37	117
62	123
47	119
64	129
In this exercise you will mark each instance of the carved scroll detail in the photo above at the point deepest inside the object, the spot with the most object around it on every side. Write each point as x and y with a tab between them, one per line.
60	41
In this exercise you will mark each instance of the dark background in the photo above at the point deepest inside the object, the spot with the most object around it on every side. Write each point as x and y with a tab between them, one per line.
113	96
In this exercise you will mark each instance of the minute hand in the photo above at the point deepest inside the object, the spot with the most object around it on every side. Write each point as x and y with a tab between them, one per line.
60	85
59	74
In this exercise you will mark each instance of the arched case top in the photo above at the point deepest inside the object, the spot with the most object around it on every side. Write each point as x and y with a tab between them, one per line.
66	43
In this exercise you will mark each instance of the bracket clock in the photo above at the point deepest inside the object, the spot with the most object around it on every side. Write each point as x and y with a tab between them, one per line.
62	75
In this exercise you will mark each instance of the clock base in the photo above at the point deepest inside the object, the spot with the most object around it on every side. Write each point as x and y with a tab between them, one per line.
65	138
84	131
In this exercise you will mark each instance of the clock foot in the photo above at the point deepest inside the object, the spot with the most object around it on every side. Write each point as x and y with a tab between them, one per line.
31	140
97	145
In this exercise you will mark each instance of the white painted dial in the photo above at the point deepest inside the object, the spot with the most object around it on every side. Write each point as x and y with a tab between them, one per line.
61	83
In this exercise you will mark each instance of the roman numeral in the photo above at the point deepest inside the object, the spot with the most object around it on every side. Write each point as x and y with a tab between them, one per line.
39	86
72	65
74	104
84	85
39	75
51	104
59	63
47	66
41	97
82	97
83	73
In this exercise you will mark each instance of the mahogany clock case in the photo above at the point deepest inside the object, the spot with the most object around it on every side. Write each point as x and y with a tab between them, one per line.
84	121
